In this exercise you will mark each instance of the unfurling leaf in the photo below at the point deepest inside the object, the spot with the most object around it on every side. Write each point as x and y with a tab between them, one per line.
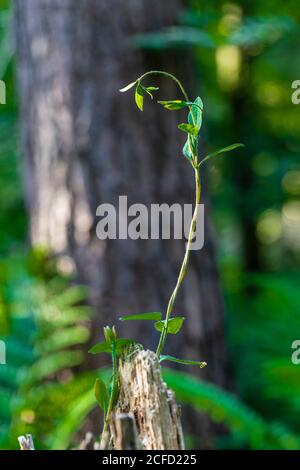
175	104
127	87
190	148
150	89
101	394
110	334
174	325
195	114
183	361
188	128
139	97
218	152
154	316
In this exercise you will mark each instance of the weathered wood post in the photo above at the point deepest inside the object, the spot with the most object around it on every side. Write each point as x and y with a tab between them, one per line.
151	405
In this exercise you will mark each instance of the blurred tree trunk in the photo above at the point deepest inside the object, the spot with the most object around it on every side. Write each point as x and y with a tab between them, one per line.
85	144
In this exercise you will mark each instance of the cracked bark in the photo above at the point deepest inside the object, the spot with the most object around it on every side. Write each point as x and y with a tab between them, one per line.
145	397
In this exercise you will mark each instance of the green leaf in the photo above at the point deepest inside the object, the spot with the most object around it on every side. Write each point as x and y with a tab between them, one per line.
139	97
155	316
174	37
194	119
175	104
188	128
120	344
183	361
101	394
127	87
174	325
187	150
150	89
101	347
223	150
195	114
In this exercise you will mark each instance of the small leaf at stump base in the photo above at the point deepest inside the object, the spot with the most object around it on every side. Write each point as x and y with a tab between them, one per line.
154	316
183	361
120	344
101	347
101	394
174	325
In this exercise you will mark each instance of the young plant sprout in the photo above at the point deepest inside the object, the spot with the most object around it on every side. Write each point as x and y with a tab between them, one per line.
170	324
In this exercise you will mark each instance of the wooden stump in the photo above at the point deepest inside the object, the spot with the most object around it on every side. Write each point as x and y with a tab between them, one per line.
145	397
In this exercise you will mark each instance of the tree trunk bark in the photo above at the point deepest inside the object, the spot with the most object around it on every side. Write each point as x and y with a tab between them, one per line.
85	144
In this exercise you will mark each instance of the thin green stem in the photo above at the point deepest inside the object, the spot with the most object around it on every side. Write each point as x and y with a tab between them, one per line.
184	265
168	75
175	79
114	387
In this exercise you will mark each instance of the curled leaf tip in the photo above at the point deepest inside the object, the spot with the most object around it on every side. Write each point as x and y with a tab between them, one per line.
127	87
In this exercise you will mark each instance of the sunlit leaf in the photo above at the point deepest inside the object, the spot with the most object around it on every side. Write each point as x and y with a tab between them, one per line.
101	394
188	128
174	325
101	347
183	361
194	119
139	97
195	114
155	316
175	104
174	37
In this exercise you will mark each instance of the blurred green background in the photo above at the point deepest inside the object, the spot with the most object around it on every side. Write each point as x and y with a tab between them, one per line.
246	54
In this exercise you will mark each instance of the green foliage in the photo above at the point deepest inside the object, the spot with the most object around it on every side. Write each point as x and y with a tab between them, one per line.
150	89
139	96
45	339
194	119
188	128
221	151
101	394
182	361
174	37
155	316
252	431
175	104
173	325
106	346
262	310
266	367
